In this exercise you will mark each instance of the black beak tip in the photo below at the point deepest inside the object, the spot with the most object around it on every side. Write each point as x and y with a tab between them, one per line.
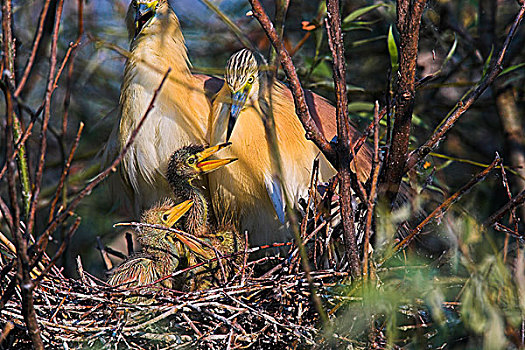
143	15
231	125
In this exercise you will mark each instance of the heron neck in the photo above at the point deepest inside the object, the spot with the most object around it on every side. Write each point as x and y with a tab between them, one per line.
160	50
197	217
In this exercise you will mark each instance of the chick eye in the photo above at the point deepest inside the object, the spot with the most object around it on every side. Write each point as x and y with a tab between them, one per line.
220	238
165	218
251	79
134	3
191	161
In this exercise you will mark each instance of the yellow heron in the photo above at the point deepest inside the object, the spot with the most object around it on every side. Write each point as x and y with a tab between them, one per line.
185	166
248	187
181	111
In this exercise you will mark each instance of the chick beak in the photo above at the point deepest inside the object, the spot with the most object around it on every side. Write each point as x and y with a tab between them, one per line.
206	165
145	12
238	101
192	244
173	215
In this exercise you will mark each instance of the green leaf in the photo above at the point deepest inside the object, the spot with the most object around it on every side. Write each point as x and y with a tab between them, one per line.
366	41
392	50
359	12
356	27
487	62
322	7
418	121
323	69
510	69
360	106
451	51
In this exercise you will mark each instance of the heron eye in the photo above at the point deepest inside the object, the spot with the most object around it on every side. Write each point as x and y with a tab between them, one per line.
251	80
134	3
191	161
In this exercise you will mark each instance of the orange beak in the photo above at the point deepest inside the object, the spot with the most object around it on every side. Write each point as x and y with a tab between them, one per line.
173	215
206	165
191	243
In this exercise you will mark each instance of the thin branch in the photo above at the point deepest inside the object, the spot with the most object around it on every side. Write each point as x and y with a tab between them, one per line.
36	43
34	114
312	131
47	115
514	203
335	40
448	202
376	167
5	212
232	26
23	271
60	250
462	106
111	168
69	83
65	172
513	219
104	254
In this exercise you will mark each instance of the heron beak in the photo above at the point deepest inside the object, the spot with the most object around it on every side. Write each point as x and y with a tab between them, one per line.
238	101
206	165
174	214
192	244
144	14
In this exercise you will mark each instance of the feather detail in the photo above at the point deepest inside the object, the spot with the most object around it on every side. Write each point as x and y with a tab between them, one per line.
275	191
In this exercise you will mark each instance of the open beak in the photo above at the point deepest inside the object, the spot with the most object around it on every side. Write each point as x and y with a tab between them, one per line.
174	214
238	101
145	12
192	244
206	165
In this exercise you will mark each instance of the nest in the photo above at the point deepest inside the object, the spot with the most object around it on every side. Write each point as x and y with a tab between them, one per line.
268	311
267	304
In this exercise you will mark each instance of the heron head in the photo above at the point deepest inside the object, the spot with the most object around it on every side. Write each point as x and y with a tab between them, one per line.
167	214
242	77
143	15
189	162
224	240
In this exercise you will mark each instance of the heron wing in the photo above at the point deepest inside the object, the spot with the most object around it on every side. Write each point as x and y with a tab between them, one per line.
275	191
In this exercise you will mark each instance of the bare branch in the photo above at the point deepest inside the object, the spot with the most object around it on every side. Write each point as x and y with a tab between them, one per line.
335	40
408	22
462	106
376	167
65	172
34	50
312	131
514	203
47	115
448	202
